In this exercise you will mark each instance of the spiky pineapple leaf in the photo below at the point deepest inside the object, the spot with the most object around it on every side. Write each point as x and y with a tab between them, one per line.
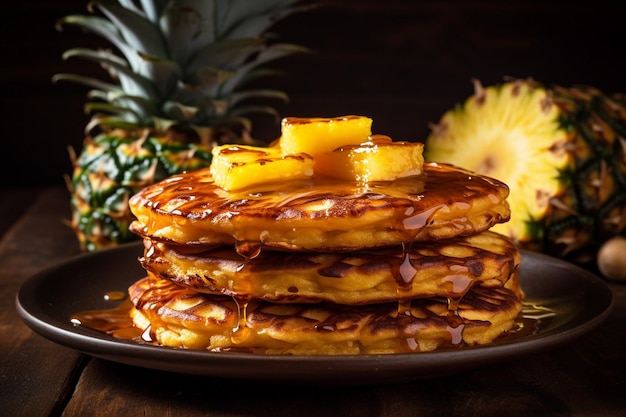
88	81
112	121
181	25
245	19
131	82
141	105
226	54
164	74
178	111
93	55
268	54
108	108
152	9
105	29
139	32
236	98
261	72
133	6
205	85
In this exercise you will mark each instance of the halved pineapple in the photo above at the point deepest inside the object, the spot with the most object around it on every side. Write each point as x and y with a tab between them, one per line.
239	166
560	150
379	159
319	135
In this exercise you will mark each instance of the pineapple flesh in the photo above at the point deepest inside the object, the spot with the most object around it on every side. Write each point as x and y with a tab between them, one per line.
379	159
236	167
560	150
374	158
318	135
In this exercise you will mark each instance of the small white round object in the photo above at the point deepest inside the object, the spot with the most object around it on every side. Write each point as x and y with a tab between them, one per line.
612	259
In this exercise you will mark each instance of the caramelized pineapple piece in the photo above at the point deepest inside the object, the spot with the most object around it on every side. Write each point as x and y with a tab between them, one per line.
380	159
239	166
320	135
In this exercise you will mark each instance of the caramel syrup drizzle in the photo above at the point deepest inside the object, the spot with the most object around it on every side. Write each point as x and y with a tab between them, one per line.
118	323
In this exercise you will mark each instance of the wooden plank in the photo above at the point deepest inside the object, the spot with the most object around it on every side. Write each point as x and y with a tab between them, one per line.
15	201
37	375
112	389
551	383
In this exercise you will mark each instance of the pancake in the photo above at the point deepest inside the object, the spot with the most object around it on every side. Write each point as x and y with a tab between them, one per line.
175	316
445	268
320	214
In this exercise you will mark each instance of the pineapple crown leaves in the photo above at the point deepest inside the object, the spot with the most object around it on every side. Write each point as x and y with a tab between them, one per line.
184	60
164	74
240	19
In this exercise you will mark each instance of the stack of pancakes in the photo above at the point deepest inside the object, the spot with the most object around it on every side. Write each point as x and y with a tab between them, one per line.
316	266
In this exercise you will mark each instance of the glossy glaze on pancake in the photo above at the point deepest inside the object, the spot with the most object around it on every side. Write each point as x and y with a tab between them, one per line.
180	317
320	214
445	268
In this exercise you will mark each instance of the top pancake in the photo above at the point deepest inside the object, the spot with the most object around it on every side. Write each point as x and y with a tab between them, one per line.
320	214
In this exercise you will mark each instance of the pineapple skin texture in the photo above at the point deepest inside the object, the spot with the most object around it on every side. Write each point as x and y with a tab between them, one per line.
110	169
560	150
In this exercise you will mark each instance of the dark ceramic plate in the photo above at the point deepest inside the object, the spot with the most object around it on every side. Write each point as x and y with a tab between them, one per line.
580	302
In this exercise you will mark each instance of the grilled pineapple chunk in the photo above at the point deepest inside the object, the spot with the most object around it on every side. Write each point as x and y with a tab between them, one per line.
235	167
321	135
379	159
342	148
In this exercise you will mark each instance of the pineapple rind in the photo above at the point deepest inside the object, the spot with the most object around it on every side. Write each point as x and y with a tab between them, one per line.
112	168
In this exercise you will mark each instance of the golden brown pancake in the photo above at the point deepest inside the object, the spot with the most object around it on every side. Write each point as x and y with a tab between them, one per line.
180	317
320	214
445	268
326	267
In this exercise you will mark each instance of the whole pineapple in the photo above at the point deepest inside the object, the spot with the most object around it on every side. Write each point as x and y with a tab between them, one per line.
562	151
176	89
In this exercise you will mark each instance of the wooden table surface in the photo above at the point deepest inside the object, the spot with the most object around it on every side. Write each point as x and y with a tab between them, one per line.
586	377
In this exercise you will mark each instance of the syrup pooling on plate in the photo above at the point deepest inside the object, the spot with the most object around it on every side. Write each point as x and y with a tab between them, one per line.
318	326
115	321
335	215
209	300
392	327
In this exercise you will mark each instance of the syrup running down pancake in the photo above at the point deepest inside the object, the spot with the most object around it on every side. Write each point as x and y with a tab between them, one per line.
446	268
360	248
319	214
180	317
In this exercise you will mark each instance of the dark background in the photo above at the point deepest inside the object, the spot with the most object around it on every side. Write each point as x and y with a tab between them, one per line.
401	62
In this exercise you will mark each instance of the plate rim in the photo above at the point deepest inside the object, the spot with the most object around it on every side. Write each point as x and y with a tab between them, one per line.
310	368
